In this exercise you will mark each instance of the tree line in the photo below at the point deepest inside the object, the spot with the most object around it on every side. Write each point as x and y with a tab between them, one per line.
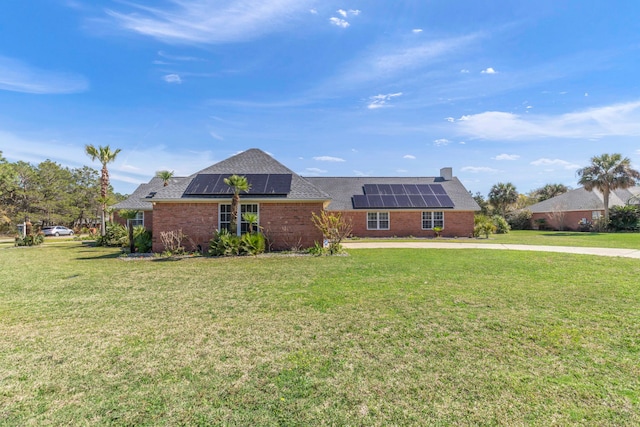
606	173
50	194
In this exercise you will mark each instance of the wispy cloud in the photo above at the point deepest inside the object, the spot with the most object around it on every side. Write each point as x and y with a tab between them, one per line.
507	157
416	30
489	71
613	120
329	159
555	162
441	142
379	101
16	76
172	78
386	61
209	21
479	169
409	156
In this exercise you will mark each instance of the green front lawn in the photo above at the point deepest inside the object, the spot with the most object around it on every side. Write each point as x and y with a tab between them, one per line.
381	337
546	238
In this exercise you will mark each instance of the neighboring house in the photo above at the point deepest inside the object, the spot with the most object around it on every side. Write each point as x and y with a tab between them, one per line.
285	202
567	211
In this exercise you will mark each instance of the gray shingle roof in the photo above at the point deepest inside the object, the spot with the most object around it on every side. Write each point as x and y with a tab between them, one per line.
337	190
253	161
583	200
343	188
139	199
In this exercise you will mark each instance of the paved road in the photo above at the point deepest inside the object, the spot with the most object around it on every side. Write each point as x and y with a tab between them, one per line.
611	252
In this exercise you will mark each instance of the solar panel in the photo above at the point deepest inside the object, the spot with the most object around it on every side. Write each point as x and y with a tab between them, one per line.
261	184
445	201
431	201
360	201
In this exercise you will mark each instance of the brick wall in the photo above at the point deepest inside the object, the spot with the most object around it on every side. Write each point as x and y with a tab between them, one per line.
289	225
197	220
566	221
409	223
286	225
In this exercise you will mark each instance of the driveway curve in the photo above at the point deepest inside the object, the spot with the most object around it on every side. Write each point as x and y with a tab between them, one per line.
610	252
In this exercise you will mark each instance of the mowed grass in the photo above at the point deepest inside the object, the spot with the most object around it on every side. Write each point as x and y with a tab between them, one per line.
547	238
380	337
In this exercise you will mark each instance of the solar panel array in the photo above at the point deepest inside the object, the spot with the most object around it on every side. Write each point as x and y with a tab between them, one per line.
261	185
402	196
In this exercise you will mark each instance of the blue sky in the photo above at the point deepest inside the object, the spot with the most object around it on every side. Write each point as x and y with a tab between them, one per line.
501	91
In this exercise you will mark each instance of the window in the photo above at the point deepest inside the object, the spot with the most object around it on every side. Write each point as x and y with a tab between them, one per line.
139	219
432	219
377	220
595	215
225	216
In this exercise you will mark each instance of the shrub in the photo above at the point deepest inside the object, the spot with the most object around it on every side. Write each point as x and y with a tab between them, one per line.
142	239
520	220
224	244
502	227
252	243
115	235
483	226
173	242
624	218
30	240
317	249
334	228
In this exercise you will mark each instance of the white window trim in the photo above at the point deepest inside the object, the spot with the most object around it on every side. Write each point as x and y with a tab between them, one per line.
239	220
138	220
388	220
433	220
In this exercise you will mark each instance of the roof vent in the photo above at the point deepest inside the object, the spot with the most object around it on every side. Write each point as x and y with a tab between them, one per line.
446	174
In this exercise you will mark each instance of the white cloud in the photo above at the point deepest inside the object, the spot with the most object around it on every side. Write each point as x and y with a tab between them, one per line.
313	11
441	142
555	162
208	21
16	76
338	22
361	173
416	30
179	57
489	71
464	71
316	171
479	169
613	120
172	78
409	156
342	12
379	101
328	159
507	157
450	119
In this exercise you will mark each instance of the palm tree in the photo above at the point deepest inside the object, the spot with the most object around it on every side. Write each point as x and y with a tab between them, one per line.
165	176
502	195
105	156
237	184
129	214
607	173
549	191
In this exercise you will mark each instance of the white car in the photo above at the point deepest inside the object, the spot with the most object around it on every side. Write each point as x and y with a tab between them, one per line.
57	230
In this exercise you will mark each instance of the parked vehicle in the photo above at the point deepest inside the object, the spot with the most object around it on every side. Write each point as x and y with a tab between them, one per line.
57	230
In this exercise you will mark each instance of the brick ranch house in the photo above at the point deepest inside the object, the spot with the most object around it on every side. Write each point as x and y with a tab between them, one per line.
568	210
284	202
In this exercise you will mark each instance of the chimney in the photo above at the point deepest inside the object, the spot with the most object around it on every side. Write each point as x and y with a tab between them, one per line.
446	174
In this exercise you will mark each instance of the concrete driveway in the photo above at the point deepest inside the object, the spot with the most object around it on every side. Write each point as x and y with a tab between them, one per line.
611	252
